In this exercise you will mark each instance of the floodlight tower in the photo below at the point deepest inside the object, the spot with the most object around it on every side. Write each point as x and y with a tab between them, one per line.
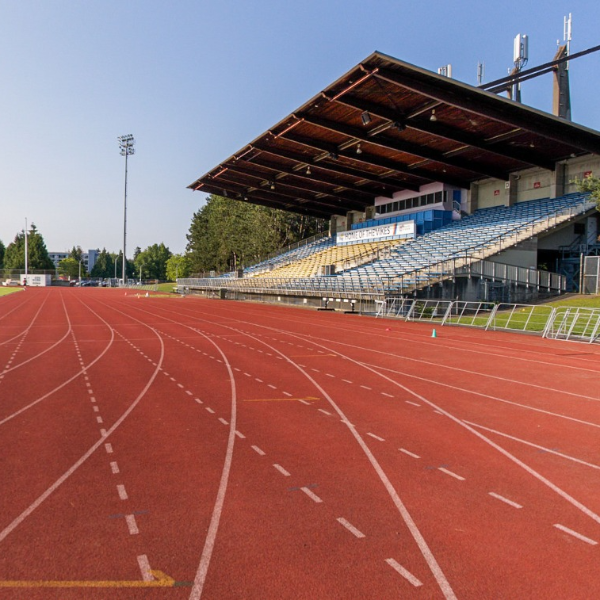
126	143
561	97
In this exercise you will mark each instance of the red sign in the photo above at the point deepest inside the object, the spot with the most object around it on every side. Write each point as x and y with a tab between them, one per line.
496	192
587	174
537	185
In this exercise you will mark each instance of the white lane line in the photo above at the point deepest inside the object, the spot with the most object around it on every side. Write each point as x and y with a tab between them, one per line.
287	394
247	375
344	380
223	421
92	399
99	420
198	400
188	393
240	435
95	409
413	403
271	386
388	395
451	474
587	540
402	571
409	453
103	432
259	380
122	493
503	499
258	450
281	470
131	524
329	375
325	412
304	402
108	448
145	568
311	495
366	387
210	410
376	437
114	467
180	385
350	527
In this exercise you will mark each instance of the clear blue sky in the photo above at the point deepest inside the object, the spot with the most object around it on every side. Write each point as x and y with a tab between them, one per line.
194	81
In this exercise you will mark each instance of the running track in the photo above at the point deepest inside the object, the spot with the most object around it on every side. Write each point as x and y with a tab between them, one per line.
188	448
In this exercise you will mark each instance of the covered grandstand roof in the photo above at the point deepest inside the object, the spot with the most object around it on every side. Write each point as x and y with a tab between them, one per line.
387	126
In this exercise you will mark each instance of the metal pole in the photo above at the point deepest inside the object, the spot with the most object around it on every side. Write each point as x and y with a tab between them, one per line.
26	250
125	218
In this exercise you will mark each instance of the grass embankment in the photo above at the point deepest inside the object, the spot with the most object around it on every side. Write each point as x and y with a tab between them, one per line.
4	291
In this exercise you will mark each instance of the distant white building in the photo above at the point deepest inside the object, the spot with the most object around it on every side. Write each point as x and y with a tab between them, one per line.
89	258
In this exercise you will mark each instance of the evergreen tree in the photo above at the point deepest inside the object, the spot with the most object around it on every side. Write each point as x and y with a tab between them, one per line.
228	234
38	258
2	250
104	266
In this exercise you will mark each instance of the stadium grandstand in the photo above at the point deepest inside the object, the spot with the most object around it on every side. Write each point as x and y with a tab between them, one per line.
433	188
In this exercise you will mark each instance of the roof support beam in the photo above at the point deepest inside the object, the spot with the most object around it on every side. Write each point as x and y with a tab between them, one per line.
496	108
385	185
269	200
426	175
305	192
408	148
449	133
281	172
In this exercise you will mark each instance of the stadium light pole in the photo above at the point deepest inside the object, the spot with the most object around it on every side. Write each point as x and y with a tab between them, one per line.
126	143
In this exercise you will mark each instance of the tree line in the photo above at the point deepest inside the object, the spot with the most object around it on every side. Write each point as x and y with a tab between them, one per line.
224	235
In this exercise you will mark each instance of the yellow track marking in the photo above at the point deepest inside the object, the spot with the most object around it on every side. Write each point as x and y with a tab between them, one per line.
160	580
311	398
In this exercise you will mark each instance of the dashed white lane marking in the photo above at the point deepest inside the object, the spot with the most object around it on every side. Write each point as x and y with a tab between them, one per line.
587	540
223	421
180	385
311	495
287	394
347	381
145	568
99	420
103	432
402	571
451	474
365	387
95	409
188	393
122	493
259	380
326	412
258	450
247	375
198	400
282	470
240	435
409	453
114	467
413	403
108	448
92	399
329	375
503	499
210	410
131	524
376	437
386	394
350	527
271	386
304	402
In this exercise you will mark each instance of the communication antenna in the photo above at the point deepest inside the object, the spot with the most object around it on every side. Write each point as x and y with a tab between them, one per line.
520	58
567	36
446	71
480	72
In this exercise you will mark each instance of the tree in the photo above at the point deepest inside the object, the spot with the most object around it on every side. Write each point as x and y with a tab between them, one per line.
152	262
179	265
591	184
38	258
228	234
69	267
104	266
2	250
76	253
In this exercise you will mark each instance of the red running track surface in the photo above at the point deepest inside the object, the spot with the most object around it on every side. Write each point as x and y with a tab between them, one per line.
189	448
